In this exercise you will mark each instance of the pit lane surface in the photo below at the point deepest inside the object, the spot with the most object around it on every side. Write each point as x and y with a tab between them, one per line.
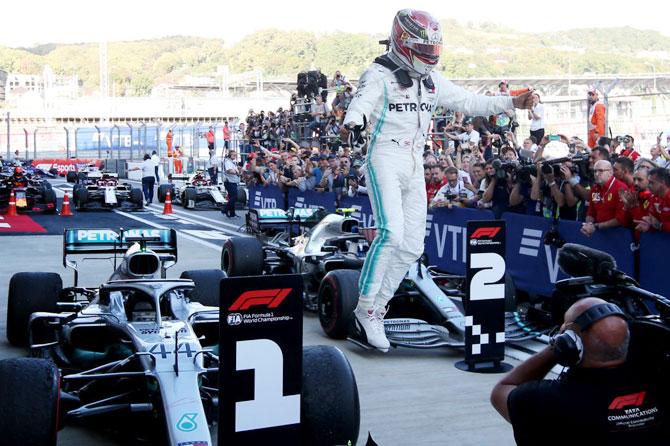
408	397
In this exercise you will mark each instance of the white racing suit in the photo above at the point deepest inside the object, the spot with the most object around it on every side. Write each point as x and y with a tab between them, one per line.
399	119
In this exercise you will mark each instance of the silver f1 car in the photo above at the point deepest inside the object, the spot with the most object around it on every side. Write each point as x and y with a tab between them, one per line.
193	191
141	347
328	250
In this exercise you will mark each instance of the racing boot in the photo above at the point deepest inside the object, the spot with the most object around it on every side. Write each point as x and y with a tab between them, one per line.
372	322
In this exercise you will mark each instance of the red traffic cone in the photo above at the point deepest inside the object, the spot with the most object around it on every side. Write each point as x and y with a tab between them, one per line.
65	210
11	210
167	209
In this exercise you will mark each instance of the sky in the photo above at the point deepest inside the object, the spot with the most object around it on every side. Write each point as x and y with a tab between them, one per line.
30	22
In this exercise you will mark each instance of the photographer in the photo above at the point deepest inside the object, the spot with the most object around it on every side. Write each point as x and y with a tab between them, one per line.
536	118
453	193
586	405
497	186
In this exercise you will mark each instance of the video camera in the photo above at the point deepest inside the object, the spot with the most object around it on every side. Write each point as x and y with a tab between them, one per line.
524	168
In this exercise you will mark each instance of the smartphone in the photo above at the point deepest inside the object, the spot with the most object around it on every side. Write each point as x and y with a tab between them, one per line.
554	138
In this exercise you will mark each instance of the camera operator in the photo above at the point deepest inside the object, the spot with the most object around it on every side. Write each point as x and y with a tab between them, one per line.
586	405
546	190
605	207
659	215
453	193
497	186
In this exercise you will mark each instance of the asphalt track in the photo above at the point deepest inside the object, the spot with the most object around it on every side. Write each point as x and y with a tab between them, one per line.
408	397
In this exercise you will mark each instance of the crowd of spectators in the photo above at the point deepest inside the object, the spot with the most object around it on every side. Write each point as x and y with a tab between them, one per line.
476	162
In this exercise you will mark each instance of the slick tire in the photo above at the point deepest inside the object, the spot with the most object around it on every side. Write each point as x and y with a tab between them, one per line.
330	405
50	197
207	285
136	197
190	195
242	256
338	297
28	293
71	176
162	192
29	391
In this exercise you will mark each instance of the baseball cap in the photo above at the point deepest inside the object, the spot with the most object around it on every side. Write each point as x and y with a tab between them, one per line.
331	156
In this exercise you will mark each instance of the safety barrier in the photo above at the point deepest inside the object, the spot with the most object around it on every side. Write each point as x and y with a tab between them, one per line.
531	263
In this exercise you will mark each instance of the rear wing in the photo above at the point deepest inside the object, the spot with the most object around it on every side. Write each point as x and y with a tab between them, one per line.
78	241
260	219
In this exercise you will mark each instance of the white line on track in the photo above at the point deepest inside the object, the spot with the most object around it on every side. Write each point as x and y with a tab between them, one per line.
157	226
199	219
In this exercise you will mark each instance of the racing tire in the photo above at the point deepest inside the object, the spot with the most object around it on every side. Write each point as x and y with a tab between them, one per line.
337	300
50	197
329	405
82	197
207	285
28	293
242	256
241	202
29	391
136	197
189	194
71	176
510	293
162	192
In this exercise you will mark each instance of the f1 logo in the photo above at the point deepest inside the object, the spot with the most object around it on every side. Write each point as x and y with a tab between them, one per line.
270	298
634	399
485	232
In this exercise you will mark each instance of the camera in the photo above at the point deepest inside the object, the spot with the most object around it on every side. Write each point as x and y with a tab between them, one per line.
451	197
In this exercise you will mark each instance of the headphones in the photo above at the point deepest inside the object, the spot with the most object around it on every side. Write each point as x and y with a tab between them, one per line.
568	346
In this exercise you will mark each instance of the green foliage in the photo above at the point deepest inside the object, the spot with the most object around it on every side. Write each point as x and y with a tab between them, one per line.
470	50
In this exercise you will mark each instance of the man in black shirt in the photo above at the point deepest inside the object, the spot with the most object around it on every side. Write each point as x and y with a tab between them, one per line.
601	399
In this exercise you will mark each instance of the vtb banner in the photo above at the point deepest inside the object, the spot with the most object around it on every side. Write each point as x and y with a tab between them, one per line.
266	197
311	199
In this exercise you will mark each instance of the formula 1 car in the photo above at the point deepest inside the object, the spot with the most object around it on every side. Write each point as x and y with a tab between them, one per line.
140	347
193	191
328	250
102	190
305	241
31	191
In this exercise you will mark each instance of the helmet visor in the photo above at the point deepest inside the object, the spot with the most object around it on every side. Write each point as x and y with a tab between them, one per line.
424	49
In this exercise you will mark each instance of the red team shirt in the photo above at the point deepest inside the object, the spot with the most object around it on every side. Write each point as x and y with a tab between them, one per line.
660	208
605	203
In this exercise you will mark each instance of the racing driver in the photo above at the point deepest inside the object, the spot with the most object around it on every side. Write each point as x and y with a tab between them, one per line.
397	95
